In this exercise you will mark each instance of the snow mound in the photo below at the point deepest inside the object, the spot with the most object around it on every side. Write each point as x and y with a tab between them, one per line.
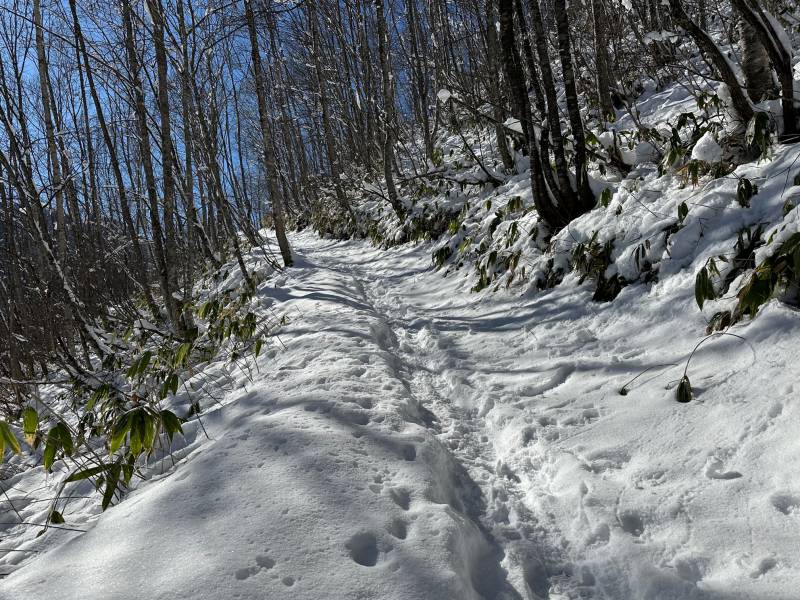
707	149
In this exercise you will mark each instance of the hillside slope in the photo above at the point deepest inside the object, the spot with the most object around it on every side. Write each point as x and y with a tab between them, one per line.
414	440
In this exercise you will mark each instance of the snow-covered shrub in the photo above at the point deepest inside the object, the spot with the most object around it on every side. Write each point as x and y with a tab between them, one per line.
106	421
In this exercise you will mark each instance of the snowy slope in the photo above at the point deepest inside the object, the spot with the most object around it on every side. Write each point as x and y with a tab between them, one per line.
414	440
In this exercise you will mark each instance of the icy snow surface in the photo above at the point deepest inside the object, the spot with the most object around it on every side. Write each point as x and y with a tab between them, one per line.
416	441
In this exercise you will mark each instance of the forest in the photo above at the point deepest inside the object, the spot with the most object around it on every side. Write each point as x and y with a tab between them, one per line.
399	299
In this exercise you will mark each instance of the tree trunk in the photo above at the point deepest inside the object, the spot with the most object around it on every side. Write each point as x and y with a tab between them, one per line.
755	63
512	67
147	164
543	165
167	159
273	181
140	267
47	115
779	56
585	199
330	146
707	46
494	64
388	112
566	193
602	62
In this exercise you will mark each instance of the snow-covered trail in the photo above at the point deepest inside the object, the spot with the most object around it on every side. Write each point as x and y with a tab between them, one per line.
411	440
587	492
422	331
437	373
321	476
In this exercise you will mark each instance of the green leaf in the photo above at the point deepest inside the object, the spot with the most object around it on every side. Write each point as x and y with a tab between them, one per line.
50	449
149	430
182	354
683	211
684	391
86	473
758	290
112	480
120	430
700	287
136	432
99	394
56	517
171	423
144	361
170	386
139	366
605	197
65	437
207	309
127	469
8	439
30	423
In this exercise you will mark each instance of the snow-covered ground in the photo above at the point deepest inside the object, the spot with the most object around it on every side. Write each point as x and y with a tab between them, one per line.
413	440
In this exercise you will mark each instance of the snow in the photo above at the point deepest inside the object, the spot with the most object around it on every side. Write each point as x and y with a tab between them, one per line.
405	438
606	138
513	124
659	36
413	440
780	32
707	149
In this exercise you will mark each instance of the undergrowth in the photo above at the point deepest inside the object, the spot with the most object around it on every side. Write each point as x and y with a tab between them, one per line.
105	423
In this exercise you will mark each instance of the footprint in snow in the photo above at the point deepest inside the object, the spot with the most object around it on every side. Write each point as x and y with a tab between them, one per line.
599	536
691	568
715	470
600	461
785	503
764	566
631	523
357	371
587	415
244	573
354	417
409	452
262	562
400	497
363	548
398	528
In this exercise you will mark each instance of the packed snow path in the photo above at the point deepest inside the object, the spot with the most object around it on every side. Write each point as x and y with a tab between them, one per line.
416	441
